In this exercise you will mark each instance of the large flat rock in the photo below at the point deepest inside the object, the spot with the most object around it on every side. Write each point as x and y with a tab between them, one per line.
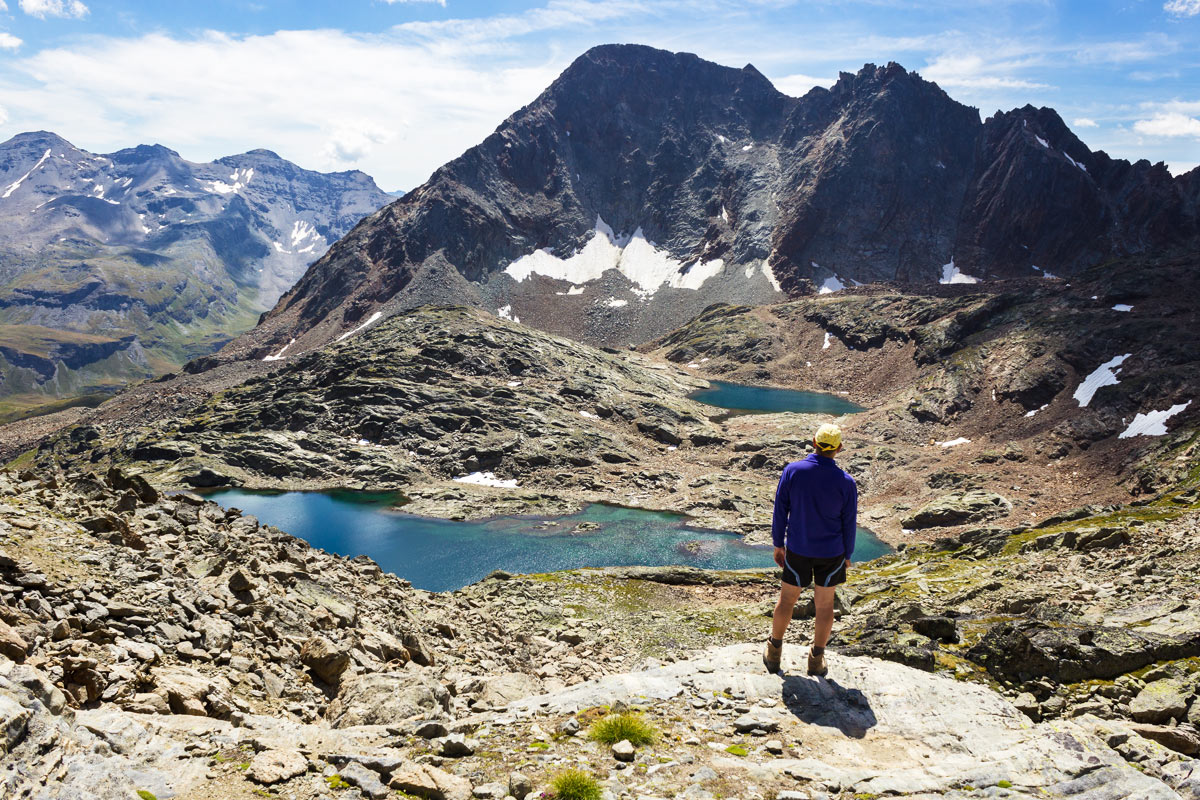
877	727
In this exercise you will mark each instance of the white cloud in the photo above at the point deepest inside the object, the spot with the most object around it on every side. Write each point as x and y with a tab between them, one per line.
1179	106
1170	123
68	9
1152	47
972	72
1178	169
441	3
798	85
430	102
1182	8
8	41
1085	122
350	144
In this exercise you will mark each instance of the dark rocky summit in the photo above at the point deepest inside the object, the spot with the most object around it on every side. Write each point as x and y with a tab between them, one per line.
124	266
642	186
1035	634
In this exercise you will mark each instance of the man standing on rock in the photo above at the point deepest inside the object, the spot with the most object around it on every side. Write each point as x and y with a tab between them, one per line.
816	511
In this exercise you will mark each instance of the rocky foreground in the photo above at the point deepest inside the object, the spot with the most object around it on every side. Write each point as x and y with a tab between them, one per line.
163	645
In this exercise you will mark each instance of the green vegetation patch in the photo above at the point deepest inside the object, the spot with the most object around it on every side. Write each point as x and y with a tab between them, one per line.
620	727
737	750
575	784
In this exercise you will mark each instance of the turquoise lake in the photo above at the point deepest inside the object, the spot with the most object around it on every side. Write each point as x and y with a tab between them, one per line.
767	399
440	555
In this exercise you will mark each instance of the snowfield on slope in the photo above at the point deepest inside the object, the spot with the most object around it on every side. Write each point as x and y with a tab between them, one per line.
634	256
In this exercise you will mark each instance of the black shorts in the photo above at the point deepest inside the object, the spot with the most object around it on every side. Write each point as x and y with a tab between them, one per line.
802	570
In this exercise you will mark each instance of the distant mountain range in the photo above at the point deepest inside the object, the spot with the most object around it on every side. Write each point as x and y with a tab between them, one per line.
123	266
644	185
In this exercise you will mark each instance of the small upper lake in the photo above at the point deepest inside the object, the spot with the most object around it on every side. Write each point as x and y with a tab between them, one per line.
742	398
440	555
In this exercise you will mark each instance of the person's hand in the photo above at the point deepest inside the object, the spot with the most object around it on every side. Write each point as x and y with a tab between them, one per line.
847	563
780	556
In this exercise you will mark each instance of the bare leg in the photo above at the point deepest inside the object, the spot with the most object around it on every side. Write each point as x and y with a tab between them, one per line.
823	597
788	595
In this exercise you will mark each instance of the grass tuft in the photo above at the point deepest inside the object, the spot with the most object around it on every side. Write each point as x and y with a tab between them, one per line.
575	784
144	795
737	750
619	727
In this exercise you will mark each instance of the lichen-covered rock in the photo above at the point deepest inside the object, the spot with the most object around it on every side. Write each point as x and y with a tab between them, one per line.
387	698
1067	653
430	782
327	661
276	766
1162	701
959	508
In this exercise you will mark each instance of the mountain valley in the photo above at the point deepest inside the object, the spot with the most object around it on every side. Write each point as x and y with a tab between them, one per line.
523	334
124	266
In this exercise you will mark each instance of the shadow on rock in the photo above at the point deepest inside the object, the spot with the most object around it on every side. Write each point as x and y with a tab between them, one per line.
825	702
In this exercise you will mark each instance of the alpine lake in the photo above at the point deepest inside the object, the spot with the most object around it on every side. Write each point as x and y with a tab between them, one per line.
443	555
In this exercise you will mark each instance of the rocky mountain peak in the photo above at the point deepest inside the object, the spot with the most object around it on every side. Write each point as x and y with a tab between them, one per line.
31	139
644	185
143	153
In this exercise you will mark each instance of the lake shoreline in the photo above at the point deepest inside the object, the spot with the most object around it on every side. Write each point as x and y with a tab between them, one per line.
422	549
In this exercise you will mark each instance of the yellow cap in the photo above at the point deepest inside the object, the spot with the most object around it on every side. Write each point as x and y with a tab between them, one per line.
828	437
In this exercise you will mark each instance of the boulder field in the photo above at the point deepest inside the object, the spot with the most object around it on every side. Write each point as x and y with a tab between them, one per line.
162	645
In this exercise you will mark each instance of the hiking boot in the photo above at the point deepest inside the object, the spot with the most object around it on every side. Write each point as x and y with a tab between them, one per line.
816	664
772	657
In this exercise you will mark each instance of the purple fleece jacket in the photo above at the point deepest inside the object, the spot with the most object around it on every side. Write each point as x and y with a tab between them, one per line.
816	509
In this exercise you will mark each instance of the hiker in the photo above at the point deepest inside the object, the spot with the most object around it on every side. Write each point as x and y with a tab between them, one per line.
816	507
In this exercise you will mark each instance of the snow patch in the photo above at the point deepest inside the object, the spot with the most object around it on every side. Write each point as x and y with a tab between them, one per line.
1045	272
831	285
828	337
279	356
12	187
613	302
1152	423
487	479
635	257
587	414
374	318
1122	307
1104	375
302	230
724	214
955	442
240	177
1042	141
1074	162
952	274
1036	410
279	247
506	313
769	274
747	148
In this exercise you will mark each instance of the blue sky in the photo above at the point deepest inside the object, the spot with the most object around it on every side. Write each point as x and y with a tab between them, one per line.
398	88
